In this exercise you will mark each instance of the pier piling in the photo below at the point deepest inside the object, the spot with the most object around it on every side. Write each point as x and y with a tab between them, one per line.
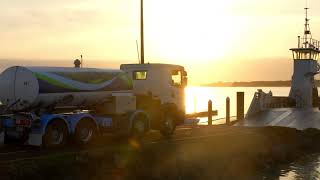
228	111
240	106
209	112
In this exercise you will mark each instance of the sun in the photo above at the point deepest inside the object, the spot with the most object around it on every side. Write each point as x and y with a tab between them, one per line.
189	30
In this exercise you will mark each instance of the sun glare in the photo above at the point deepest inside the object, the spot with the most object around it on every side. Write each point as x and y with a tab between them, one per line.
189	30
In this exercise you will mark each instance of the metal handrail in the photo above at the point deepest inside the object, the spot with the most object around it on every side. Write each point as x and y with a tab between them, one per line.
309	43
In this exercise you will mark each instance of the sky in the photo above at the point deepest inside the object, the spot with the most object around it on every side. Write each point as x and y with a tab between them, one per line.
229	40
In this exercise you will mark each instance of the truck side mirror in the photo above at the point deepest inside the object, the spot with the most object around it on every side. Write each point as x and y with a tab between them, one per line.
184	73
185	81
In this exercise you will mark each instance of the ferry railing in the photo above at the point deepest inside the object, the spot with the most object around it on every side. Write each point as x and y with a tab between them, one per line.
309	43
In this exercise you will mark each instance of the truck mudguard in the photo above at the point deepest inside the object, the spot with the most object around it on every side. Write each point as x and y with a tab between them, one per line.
134	114
75	118
45	119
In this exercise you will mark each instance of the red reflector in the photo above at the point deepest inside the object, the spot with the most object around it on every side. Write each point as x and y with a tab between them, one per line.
23	122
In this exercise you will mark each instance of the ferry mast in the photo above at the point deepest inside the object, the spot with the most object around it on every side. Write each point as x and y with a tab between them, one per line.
306	55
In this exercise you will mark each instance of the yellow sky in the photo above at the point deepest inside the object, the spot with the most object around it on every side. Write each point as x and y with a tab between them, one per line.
230	40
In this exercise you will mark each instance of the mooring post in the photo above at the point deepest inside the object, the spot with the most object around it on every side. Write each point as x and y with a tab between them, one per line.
228	111
209	112
240	106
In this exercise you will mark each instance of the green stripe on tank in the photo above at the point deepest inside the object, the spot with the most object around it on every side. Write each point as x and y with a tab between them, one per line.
96	81
125	77
52	81
88	77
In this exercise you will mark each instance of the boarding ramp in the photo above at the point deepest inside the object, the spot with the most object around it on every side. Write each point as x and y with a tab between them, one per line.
269	110
286	117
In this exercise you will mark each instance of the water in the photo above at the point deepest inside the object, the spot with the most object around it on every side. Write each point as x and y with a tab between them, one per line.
307	167
197	99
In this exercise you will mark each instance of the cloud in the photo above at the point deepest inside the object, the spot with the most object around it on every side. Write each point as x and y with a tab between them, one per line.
48	19
61	15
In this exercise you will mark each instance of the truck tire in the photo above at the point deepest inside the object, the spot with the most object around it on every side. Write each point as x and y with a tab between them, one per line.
139	126
56	134
85	132
168	126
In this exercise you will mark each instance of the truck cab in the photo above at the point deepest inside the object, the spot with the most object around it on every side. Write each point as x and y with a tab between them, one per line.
159	89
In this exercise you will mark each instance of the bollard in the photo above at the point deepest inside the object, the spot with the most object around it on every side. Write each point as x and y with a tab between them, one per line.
240	106
209	112
228	111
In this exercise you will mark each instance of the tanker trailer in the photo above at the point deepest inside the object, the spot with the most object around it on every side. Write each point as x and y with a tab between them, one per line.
47	105
27	88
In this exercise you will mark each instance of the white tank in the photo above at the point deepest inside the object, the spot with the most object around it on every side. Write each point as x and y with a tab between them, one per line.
23	88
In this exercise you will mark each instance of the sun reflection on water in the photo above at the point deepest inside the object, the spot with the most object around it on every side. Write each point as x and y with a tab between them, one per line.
196	98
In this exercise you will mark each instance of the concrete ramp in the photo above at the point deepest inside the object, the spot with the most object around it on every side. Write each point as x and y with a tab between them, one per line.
285	117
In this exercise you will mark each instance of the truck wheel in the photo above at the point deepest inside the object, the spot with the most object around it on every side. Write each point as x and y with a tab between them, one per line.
139	126
168	126
55	135
85	132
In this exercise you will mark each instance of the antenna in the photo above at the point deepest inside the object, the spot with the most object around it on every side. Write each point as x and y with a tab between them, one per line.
306	25
142	33
306	3
81	61
307	32
138	51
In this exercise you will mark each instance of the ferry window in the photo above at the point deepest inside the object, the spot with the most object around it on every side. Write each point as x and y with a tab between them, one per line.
176	78
140	75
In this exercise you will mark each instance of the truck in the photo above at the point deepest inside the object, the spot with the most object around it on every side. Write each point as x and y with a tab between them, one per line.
51	106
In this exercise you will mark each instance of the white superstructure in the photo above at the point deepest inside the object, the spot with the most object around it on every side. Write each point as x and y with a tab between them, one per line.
305	56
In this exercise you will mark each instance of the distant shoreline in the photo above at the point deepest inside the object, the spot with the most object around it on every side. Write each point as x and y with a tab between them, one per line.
255	84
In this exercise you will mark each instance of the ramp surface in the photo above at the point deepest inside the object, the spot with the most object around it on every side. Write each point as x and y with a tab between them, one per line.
285	117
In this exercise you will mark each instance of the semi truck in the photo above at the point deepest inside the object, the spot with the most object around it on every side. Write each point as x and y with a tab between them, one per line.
51	106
